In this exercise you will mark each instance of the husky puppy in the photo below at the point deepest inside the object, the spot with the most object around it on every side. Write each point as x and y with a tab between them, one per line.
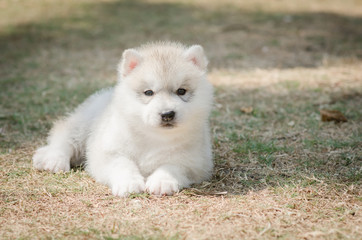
148	133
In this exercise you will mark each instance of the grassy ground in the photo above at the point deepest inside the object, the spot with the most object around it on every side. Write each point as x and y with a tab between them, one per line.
280	172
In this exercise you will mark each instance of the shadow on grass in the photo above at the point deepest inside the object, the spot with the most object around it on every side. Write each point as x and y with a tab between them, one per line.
233	37
282	141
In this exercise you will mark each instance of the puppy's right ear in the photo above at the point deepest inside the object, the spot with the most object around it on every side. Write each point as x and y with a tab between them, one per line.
130	60
196	55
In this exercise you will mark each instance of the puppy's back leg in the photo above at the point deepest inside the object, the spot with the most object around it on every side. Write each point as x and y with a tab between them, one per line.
56	156
67	139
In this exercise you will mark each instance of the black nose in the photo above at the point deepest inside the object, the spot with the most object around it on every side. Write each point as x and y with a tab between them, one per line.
168	116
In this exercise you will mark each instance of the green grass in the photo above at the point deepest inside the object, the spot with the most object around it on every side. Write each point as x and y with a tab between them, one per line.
254	146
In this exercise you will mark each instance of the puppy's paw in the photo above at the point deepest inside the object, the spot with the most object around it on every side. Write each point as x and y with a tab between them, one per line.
125	186
51	159
158	184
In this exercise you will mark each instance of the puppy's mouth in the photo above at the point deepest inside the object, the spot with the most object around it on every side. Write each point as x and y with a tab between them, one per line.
168	125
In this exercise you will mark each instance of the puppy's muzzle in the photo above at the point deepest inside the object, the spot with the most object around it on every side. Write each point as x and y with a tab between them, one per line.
168	116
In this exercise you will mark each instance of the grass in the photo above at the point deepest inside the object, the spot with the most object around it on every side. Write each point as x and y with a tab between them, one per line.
280	173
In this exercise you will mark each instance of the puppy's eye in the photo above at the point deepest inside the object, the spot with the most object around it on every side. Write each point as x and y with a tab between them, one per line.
148	93
181	91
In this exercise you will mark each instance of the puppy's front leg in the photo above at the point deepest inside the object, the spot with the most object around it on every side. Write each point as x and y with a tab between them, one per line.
120	174
167	180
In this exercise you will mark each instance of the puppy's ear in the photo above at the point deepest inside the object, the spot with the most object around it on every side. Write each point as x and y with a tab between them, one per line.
196	55
130	60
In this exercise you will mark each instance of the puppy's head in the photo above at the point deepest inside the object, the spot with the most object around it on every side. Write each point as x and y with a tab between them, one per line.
165	85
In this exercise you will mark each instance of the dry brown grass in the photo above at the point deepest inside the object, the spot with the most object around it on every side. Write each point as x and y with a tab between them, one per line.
36	204
280	172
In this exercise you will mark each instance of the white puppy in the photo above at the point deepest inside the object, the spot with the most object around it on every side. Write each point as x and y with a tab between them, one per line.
148	133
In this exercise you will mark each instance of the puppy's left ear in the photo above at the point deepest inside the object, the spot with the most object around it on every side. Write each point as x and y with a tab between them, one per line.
196	55
131	58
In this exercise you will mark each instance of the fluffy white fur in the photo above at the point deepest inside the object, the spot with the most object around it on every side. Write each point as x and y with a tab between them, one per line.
120	134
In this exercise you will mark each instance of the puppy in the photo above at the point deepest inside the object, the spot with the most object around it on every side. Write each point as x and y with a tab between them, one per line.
148	133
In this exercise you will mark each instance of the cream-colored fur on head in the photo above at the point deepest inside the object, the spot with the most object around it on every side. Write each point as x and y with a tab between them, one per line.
148	133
